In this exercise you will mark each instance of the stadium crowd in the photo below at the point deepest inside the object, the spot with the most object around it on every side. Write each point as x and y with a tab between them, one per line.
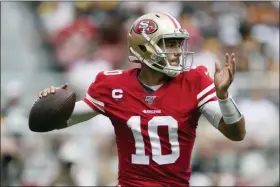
50	43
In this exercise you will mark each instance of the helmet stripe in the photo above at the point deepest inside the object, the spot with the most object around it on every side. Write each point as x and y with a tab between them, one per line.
174	21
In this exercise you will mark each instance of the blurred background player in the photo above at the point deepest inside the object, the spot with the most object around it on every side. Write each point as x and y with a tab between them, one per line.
248	29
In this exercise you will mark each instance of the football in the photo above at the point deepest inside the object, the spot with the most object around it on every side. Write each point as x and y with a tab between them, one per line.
51	111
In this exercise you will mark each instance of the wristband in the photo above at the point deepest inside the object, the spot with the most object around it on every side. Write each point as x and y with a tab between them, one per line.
230	111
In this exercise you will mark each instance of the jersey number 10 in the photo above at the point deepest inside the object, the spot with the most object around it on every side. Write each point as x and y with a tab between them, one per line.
139	157
135	124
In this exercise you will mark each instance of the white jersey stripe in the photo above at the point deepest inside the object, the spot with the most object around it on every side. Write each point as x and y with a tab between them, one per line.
95	102
205	91
207	98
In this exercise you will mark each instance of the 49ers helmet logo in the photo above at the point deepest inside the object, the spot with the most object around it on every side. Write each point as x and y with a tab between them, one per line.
147	25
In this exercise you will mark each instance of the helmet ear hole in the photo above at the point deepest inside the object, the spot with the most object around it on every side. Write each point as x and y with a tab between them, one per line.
142	48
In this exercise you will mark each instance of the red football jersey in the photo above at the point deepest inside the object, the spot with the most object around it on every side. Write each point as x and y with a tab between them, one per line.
155	132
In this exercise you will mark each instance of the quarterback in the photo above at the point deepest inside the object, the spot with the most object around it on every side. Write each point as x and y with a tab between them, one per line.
155	109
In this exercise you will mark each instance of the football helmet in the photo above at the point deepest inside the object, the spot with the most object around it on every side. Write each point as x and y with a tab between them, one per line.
143	42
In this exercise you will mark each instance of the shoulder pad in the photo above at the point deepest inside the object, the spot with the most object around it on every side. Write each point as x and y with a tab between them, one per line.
107	75
198	71
201	69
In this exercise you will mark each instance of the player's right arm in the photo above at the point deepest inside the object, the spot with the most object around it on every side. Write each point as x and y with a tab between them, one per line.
91	105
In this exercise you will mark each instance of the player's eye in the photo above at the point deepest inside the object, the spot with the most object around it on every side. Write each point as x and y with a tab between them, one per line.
172	45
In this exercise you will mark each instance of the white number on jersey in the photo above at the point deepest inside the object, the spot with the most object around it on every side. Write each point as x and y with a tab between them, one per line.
139	157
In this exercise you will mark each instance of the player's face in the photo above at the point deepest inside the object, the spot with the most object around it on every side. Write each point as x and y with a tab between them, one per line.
172	46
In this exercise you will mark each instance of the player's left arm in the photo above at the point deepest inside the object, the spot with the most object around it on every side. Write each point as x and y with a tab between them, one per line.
223	112
232	124
234	128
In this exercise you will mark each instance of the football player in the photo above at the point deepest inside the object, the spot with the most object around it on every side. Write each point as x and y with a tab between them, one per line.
155	109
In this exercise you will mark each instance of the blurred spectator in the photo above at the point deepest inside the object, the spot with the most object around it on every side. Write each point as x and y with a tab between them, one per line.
173	8
75	43
188	22
11	165
208	54
56	15
109	54
262	119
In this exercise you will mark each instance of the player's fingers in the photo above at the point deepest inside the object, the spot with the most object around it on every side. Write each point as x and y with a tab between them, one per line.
217	66
233	63
52	89
64	86
45	92
49	90
227	60
40	94
230	73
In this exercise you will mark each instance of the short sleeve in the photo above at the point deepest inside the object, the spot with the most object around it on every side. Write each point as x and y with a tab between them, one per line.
95	94
206	89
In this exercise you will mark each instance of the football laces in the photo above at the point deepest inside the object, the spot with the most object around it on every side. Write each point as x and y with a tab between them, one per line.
36	101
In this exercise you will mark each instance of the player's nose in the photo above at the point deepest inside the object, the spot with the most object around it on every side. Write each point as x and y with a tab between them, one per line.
177	51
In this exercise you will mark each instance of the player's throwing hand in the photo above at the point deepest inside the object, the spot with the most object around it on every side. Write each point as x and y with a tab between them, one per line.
223	77
51	90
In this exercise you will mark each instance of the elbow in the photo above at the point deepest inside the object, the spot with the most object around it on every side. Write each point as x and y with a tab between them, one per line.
238	137
239	134
242	136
